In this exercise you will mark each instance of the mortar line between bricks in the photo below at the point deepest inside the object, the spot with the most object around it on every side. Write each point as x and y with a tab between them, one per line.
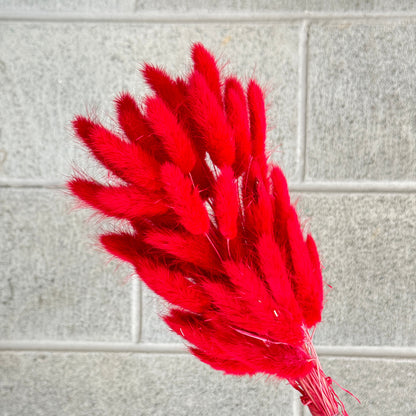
318	186
141	311
354	187
302	99
366	352
30	183
209	17
135	309
87	346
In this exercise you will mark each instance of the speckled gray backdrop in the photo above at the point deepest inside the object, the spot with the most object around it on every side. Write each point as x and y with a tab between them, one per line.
77	337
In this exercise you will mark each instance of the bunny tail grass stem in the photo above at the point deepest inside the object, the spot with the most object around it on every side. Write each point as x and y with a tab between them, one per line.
316	388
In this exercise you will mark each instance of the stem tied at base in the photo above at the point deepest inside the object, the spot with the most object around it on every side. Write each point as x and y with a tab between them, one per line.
317	390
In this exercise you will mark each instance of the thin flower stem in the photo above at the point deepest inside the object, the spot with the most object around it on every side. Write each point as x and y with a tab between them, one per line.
316	389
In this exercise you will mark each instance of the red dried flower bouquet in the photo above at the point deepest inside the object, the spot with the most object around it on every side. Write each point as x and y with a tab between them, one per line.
212	229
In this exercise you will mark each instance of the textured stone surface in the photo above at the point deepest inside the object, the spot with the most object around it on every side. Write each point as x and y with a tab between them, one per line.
53	283
367	248
86	65
274	5
384	387
362	102
90	6
131	384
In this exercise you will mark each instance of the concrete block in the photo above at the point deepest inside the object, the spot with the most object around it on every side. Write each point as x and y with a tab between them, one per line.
50	72
361	102
367	249
384	387
54	283
131	384
259	6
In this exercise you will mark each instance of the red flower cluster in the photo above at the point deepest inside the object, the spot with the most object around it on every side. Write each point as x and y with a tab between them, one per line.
212	228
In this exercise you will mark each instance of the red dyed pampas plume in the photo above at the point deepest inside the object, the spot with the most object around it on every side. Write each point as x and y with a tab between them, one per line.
212	229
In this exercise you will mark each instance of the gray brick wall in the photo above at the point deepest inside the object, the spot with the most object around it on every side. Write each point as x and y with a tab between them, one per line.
77	337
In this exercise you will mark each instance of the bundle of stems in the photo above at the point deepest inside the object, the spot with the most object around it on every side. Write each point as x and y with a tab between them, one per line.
207	223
